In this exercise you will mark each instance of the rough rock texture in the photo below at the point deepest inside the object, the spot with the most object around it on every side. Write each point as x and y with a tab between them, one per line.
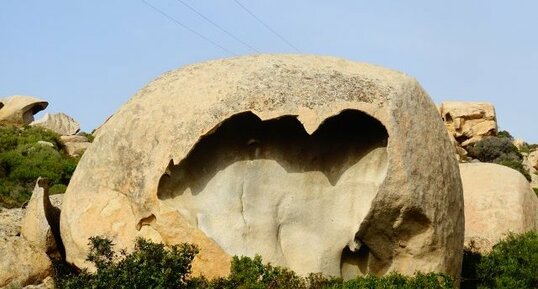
498	200
533	159
40	225
532	166
20	110
21	264
75	145
48	283
316	163
10	223
61	123
469	122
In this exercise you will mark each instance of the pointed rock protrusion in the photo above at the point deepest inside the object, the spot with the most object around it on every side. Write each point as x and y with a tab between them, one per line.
40	225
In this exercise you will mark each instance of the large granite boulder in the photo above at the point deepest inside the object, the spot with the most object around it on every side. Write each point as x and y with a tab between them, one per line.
498	200
318	164
60	123
469	122
20	110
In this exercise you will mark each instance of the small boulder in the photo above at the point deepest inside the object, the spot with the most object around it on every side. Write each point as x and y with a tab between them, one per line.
20	110
45	143
497	200
22	264
61	123
75	145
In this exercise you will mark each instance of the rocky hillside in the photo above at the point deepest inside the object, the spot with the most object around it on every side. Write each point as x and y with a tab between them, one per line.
49	148
315	163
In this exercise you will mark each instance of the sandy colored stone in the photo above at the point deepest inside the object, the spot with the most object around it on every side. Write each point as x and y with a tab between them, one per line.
48	283
10	222
60	123
312	162
533	159
20	110
75	145
21	264
73	138
469	122
40	214
519	144
76	149
498	200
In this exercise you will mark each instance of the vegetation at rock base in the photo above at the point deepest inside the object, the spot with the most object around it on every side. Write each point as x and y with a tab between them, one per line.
28	153
153	265
499	150
511	264
535	191
150	265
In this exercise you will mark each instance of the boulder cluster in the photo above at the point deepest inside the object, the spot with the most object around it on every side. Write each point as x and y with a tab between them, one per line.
19	110
317	164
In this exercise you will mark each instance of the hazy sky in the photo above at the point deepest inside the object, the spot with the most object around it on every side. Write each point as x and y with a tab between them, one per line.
89	57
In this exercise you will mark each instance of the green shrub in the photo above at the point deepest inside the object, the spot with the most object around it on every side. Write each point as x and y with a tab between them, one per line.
512	263
57	189
153	265
11	137
150	265
499	151
505	134
535	191
23	160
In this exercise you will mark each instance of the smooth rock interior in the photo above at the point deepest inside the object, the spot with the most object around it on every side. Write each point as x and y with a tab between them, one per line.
270	188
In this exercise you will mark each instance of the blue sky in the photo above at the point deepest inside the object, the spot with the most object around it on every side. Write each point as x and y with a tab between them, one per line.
89	57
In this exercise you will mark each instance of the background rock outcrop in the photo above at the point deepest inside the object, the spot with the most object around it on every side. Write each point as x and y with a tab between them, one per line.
60	123
20	110
468	122
312	162
498	200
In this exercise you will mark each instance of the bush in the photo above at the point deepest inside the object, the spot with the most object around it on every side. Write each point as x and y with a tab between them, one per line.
153	265
535	191
512	263
150	265
505	134
23	160
499	151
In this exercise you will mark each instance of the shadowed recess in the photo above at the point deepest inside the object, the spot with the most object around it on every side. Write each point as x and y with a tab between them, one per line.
338	143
